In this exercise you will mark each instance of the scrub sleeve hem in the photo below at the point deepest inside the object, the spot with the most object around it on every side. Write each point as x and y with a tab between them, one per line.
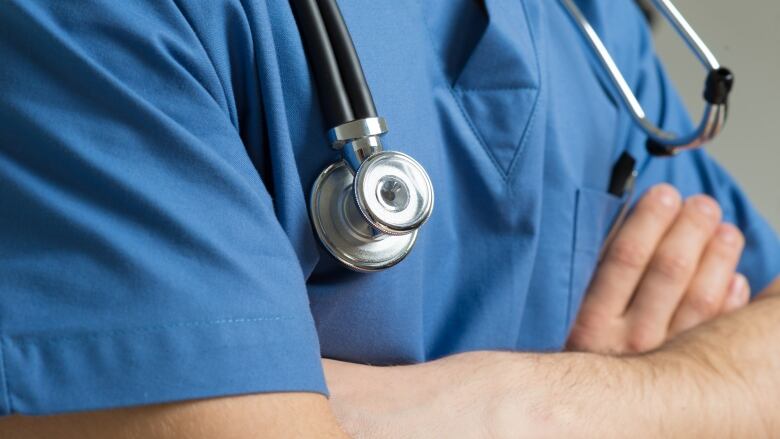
57	373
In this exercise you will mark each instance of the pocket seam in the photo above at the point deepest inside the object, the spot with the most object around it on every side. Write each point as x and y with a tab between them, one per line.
578	249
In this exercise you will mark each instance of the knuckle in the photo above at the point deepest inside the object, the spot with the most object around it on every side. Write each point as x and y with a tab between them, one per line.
727	246
629	254
582	336
731	237
703	303
723	252
642	338
591	321
588	332
740	237
672	266
581	340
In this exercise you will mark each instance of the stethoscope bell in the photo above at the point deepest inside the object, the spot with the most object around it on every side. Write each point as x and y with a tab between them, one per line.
367	207
343	229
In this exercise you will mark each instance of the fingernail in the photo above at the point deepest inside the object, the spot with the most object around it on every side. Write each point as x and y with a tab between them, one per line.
667	196
738	290
728	235
705	206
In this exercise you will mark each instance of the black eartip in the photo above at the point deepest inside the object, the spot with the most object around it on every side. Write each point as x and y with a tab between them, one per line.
719	84
657	149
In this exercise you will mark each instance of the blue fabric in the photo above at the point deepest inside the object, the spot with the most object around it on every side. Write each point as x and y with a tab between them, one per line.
156	159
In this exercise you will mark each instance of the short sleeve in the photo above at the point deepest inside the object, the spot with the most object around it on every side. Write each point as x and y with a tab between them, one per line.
691	172
141	260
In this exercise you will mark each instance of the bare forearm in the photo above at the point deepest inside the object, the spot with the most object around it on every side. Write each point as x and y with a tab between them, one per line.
740	352
720	380
590	395
277	415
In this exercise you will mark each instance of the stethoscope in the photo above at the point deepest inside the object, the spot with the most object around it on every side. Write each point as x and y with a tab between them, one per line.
367	208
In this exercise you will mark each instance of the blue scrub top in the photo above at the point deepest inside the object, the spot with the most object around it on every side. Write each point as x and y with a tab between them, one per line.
156	159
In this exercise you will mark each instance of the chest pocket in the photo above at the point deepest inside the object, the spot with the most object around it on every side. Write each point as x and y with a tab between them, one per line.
577	211
493	70
594	215
575	223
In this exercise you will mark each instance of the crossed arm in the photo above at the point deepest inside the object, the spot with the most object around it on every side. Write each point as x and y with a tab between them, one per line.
670	268
716	380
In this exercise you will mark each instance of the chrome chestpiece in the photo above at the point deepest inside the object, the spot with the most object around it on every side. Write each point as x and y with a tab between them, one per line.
368	207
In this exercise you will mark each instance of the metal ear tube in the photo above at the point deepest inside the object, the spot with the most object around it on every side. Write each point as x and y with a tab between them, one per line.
718	84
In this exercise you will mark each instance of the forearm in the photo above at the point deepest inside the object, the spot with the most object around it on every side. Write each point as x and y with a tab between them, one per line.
719	380
590	395
276	415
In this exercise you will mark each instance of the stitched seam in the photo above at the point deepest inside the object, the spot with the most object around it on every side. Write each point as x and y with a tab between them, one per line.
521	148
478	136
573	257
7	393
233	117
454	96
496	89
147	329
539	92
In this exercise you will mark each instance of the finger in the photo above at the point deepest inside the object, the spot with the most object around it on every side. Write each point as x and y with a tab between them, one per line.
709	288
671	269
739	294
626	258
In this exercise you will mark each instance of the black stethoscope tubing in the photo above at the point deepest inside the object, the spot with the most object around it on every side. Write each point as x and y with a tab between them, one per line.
341	83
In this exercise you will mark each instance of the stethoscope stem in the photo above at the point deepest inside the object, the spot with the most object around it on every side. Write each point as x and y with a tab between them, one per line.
358	140
687	33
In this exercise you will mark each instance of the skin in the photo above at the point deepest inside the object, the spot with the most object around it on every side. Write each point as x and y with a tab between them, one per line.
273	415
670	267
634	304
717	380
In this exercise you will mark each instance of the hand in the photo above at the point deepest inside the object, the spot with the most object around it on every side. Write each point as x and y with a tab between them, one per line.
670	267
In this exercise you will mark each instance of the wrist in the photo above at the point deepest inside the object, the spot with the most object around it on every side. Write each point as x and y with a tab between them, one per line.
703	389
567	395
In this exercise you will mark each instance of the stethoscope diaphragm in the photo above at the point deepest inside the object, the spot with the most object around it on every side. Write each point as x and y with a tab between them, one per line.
393	192
344	231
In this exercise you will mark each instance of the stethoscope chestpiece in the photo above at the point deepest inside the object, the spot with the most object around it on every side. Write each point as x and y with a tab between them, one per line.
368	207
393	192
344	231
